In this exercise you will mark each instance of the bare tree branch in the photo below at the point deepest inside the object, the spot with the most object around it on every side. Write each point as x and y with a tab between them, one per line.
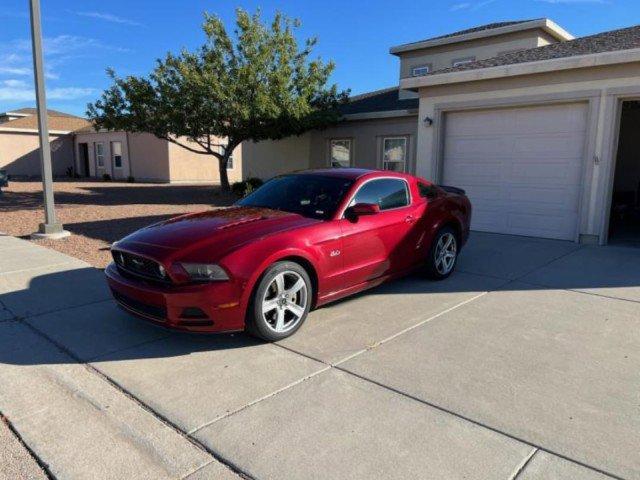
186	147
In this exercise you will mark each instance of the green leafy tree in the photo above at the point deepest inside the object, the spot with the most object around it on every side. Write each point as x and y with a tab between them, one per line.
258	84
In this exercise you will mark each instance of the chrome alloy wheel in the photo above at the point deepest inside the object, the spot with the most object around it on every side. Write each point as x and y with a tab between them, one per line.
285	301
445	254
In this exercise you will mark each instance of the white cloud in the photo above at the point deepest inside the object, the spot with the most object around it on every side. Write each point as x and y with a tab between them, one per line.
16	59
460	6
470	5
65	44
109	17
13	83
26	93
15	70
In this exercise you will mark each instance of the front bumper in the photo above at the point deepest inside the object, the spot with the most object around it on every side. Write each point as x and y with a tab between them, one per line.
173	306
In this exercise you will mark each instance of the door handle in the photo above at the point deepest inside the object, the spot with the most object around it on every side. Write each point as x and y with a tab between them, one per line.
409	219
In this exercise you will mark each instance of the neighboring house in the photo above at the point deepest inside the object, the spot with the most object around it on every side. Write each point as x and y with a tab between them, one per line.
20	144
147	158
76	145
523	116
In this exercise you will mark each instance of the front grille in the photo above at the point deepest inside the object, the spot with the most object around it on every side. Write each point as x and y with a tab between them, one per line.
138	265
154	311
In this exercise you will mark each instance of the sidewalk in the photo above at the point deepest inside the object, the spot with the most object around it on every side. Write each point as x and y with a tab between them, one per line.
72	418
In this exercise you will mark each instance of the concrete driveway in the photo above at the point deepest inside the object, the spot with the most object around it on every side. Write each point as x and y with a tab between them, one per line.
524	364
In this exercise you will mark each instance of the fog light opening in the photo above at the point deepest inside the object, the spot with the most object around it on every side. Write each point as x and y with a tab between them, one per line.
193	313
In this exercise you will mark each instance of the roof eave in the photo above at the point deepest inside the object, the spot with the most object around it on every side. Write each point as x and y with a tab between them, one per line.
381	114
32	130
14	114
545	24
528	68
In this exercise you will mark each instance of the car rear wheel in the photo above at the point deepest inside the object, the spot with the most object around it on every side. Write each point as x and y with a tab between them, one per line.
443	254
281	302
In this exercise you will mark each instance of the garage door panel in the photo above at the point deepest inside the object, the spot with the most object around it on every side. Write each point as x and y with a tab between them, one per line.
549	173
484	195
478	146
467	123
521	168
557	146
540	225
551	119
477	173
487	220
541	200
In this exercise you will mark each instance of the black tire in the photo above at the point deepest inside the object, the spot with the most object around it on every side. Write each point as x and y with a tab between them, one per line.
434	268
264	326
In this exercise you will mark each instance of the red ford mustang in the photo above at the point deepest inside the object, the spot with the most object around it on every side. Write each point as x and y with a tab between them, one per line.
299	241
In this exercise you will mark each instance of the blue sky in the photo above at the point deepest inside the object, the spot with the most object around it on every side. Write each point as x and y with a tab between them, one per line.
83	38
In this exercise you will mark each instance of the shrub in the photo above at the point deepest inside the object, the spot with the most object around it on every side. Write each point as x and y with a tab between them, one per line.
131	179
244	188
106	177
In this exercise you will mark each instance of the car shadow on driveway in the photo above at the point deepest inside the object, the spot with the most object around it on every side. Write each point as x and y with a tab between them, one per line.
74	309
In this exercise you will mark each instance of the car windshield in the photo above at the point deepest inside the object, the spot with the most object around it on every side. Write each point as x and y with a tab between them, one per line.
312	196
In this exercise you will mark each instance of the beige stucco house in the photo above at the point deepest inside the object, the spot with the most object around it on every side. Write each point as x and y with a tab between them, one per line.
147	158
540	128
19	141
77	146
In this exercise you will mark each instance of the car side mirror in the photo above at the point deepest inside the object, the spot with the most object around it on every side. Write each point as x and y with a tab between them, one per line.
362	209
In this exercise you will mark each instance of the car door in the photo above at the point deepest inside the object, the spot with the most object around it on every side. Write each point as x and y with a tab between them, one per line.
372	244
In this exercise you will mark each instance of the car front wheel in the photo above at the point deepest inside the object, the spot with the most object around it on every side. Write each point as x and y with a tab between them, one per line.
443	254
281	302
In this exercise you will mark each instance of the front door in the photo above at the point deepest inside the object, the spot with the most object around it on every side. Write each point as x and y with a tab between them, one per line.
83	150
373	244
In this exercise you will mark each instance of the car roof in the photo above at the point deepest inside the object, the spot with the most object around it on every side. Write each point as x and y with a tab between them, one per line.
352	173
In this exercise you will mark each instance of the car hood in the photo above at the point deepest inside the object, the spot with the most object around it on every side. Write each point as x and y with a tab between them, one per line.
216	231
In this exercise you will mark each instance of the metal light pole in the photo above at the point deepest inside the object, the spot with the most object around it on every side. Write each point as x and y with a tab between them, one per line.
50	228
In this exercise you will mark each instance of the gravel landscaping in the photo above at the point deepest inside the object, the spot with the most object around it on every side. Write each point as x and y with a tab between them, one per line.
99	213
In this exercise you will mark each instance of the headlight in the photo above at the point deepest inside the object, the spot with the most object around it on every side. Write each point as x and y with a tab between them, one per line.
207	272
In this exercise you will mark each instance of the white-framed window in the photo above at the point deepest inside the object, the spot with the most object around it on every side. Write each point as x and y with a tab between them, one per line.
394	154
116	154
99	150
340	153
462	61
221	151
420	70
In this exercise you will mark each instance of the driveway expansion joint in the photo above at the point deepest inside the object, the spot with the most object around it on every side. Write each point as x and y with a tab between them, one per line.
41	463
258	400
161	418
481	424
525	461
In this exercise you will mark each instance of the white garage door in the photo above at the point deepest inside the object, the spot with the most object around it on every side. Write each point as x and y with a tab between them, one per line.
521	167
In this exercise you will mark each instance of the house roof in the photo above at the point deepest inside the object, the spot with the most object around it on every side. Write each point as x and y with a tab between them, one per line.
481	28
385	100
615	40
56	121
33	111
484	31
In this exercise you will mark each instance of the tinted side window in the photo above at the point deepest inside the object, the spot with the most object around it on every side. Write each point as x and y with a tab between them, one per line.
427	191
387	193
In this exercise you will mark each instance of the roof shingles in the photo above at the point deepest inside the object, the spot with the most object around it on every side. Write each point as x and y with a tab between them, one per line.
616	40
481	28
65	122
379	101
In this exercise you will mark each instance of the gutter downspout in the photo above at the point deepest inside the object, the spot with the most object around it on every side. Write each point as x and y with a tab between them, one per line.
129	158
